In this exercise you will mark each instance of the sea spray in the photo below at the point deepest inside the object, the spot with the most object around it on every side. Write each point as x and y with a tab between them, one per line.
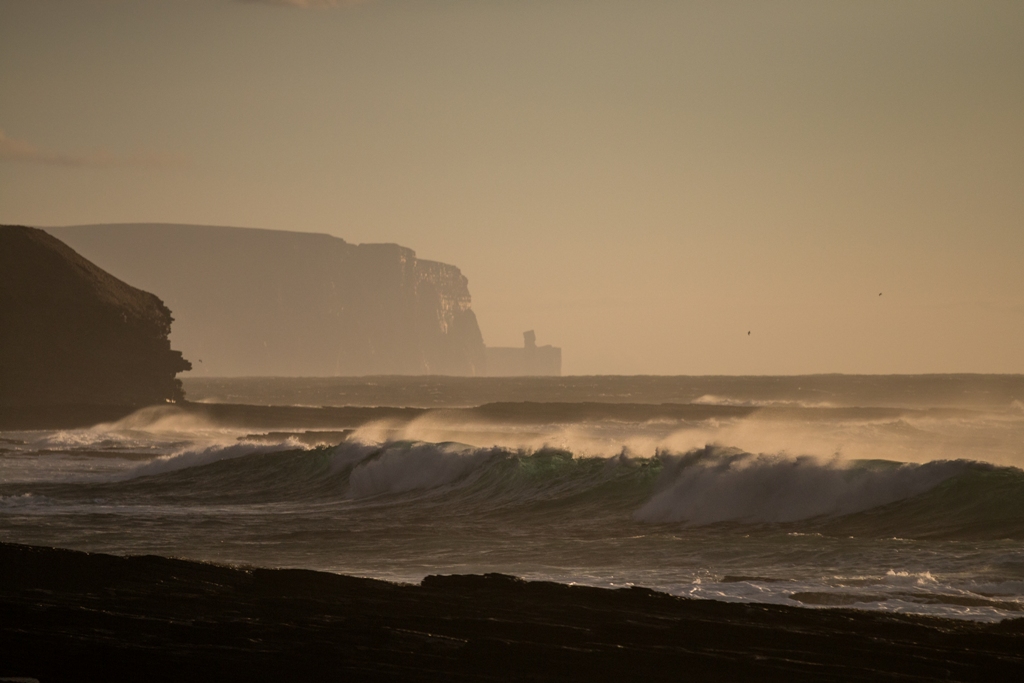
197	457
811	499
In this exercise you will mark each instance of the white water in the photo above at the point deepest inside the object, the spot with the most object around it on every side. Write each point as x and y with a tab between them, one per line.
768	507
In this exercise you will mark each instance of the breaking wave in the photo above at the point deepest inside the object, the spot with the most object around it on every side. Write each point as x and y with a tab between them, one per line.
706	486
196	457
714	400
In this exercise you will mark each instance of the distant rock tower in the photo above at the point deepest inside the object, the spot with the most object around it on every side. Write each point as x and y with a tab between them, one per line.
531	360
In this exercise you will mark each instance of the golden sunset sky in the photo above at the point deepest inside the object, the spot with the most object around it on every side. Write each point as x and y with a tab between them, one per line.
640	182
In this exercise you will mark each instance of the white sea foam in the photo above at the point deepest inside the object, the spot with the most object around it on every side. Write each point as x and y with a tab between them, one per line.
348	509
592	439
714	400
917	438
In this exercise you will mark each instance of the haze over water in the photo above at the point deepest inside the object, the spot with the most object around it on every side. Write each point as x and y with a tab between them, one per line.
877	498
732	189
642	183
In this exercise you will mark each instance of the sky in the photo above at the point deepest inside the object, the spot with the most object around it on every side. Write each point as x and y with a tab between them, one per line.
658	187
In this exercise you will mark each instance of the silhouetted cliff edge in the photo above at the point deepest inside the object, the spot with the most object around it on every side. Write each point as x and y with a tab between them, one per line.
72	334
272	302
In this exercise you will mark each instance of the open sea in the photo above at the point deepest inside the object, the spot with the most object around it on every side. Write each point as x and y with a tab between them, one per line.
891	493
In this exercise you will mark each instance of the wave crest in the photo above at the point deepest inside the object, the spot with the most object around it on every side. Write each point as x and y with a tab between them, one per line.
197	457
945	498
717	485
404	467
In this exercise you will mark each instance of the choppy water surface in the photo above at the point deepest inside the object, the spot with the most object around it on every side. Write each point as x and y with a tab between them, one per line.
872	499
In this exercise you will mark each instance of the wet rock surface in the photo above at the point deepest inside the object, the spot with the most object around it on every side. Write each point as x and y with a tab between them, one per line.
71	616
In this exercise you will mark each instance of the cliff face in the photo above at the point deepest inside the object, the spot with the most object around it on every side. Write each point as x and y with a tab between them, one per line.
268	302
72	334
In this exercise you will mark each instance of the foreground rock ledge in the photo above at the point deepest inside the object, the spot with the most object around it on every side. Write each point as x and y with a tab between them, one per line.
71	616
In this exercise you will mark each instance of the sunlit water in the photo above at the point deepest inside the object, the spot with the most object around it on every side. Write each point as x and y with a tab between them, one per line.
905	510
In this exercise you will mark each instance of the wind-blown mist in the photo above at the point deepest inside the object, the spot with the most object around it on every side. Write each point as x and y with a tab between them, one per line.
748	496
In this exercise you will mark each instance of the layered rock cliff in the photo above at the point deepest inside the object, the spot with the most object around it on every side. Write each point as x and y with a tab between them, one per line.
72	334
269	302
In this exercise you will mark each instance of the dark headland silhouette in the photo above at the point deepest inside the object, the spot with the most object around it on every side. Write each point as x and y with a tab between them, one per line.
71	334
279	303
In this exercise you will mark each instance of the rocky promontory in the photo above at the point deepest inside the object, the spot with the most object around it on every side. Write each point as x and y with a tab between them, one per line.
252	302
71	334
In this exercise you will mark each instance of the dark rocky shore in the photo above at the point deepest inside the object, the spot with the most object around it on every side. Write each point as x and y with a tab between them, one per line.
71	616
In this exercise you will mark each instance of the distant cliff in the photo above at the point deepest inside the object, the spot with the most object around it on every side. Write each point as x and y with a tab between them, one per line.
269	302
72	334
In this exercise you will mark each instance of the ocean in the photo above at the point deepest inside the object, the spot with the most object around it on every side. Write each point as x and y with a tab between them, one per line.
890	493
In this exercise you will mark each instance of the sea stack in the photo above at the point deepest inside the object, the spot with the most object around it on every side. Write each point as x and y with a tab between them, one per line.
71	334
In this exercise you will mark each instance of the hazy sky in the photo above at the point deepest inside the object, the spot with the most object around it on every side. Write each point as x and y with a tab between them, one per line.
640	182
